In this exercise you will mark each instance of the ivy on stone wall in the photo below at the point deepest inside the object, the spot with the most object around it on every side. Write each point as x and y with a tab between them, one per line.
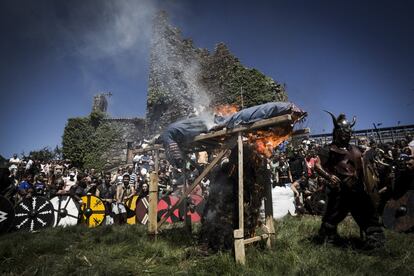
227	80
86	139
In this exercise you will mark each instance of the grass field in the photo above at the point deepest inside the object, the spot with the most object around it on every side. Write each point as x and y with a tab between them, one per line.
127	250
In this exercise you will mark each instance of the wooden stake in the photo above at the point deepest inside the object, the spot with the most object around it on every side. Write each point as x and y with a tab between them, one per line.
257	238
153	202
240	197
187	218
239	250
269	215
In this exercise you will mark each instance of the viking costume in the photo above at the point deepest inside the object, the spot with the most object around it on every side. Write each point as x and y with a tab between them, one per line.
341	165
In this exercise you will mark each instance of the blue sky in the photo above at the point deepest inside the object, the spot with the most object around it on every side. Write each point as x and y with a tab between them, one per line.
354	57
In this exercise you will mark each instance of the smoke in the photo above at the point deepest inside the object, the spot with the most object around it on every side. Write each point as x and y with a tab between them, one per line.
178	71
124	26
114	33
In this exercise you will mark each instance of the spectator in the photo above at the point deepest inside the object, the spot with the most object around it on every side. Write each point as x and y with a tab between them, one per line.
26	187
14	164
124	191
39	185
70	181
107	192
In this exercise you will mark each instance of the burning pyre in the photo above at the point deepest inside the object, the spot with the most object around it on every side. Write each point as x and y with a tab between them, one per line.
220	216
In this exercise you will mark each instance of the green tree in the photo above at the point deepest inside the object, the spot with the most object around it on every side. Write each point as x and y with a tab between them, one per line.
44	154
86	139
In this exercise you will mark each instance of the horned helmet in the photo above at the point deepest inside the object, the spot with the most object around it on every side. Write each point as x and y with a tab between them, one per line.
342	129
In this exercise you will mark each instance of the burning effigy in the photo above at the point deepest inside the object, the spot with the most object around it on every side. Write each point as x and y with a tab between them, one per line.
221	213
177	135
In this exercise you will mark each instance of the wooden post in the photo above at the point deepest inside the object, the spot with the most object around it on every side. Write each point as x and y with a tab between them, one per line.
153	198
239	250
240	196
269	215
187	218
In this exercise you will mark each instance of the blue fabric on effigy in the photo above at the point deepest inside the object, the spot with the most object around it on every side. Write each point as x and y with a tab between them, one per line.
257	113
178	133
183	131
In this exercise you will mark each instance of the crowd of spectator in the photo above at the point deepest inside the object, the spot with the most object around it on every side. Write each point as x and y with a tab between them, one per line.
290	166
294	167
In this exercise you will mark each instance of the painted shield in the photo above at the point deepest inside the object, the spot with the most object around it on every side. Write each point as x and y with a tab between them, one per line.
196	206
399	214
6	214
33	214
141	210
165	204
131	205
66	210
92	211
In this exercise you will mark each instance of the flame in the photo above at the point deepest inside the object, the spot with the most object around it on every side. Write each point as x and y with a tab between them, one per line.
265	142
226	110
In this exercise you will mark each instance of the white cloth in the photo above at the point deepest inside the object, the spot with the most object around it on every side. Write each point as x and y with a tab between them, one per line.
283	202
118	208
29	164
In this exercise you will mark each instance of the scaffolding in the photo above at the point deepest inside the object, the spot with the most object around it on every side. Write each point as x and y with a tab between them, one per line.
224	140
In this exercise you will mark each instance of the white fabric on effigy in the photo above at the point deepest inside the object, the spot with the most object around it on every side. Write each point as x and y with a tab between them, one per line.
283	202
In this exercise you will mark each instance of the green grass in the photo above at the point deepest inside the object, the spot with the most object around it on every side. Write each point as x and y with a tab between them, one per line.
127	250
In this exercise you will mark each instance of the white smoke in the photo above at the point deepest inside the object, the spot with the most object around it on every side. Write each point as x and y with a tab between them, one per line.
121	32
125	25
178	66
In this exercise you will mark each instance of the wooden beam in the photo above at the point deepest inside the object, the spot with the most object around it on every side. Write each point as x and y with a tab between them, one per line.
153	202
240	184
302	131
257	238
195	183
269	214
239	250
149	148
245	128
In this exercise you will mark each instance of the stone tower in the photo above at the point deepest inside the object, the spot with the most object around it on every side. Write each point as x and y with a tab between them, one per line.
100	103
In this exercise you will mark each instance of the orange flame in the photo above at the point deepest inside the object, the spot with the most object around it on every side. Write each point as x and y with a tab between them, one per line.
226	109
266	141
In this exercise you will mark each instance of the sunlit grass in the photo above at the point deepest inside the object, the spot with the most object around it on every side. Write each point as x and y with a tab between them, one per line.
127	250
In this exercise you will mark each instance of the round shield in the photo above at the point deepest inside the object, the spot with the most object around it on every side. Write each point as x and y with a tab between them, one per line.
141	210
66	210
196	205
6	214
92	210
399	214
131	205
33	214
164	205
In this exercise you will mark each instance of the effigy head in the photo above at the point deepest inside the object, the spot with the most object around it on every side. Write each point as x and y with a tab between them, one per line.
342	129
